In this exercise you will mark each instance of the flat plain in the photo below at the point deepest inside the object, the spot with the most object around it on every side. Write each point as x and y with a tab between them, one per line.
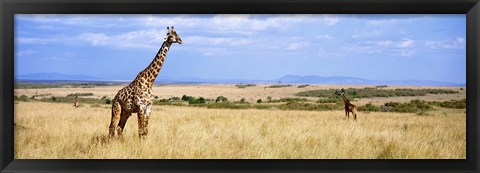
46	130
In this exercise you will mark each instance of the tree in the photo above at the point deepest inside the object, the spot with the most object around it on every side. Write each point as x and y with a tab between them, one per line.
184	98
221	99
201	100
259	101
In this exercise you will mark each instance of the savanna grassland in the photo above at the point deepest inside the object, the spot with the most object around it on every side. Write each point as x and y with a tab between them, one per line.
57	130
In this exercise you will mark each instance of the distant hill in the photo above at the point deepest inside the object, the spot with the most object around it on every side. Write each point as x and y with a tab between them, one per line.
58	76
341	80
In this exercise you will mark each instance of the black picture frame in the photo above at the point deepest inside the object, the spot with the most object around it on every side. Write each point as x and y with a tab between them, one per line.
8	8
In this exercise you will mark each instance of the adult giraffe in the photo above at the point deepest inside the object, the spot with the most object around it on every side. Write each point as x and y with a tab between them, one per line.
137	97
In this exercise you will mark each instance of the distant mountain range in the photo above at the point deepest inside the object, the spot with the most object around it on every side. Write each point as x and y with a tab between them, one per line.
359	81
287	79
58	76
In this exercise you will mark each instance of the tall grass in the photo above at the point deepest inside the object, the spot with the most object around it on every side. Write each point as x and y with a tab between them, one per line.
60	131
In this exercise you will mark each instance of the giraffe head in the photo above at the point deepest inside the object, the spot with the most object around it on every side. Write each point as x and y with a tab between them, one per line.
172	36
341	92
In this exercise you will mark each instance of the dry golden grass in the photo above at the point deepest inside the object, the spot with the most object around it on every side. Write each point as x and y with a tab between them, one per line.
60	131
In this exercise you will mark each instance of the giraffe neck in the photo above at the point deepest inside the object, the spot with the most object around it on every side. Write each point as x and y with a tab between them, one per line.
345	99
151	72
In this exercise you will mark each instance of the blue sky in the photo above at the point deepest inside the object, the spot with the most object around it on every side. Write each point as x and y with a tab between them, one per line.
377	47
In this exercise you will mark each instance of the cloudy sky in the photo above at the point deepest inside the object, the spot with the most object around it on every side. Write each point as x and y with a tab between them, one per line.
377	47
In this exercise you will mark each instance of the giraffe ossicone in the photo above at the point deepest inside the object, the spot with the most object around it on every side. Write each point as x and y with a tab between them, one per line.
137	97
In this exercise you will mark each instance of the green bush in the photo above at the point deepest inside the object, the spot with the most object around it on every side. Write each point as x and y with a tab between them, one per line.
23	98
221	99
302	86
108	101
279	86
193	100
369	108
79	94
329	100
261	106
245	85
227	105
455	104
289	100
307	106
259	101
242	100
374	92
408	107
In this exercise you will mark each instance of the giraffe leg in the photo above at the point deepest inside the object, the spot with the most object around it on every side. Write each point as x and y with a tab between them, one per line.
346	113
142	129
116	110
354	112
121	125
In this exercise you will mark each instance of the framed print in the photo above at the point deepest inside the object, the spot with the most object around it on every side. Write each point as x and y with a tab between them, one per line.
239	86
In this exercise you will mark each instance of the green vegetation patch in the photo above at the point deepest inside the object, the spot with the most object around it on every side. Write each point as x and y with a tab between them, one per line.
308	106
414	106
455	104
228	105
79	94
278	86
245	85
374	92
193	100
302	86
288	100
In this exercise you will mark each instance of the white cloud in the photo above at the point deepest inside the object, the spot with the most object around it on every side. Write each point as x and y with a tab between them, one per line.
362	49
95	39
134	39
55	21
457	43
404	47
298	45
209	51
367	34
404	52
331	19
383	22
324	37
27	52
405	43
29	40
382	43
205	41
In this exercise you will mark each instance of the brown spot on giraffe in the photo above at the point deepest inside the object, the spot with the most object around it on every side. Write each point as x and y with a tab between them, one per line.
137	97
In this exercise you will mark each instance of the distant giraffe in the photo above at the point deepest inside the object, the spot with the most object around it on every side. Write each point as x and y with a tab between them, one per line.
76	104
349	107
137	97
